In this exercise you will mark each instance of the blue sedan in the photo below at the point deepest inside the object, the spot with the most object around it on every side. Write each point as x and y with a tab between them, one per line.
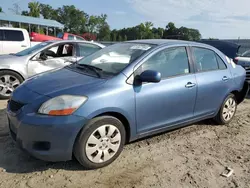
121	93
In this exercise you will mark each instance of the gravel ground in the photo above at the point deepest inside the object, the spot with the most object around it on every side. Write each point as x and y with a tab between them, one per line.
194	156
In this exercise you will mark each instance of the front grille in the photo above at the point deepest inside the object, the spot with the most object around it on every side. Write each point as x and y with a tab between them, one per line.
247	73
15	106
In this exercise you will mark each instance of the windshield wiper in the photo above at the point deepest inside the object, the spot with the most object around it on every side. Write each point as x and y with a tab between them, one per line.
90	67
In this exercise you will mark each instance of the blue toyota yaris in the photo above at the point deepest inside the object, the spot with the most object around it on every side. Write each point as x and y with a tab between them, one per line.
123	92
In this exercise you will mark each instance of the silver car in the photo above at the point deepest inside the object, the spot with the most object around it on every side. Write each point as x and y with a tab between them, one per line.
15	68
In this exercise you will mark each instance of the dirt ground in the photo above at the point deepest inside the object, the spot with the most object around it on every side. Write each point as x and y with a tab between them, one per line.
194	156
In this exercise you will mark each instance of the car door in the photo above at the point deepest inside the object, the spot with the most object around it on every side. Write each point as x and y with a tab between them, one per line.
170	101
13	41
53	57
213	81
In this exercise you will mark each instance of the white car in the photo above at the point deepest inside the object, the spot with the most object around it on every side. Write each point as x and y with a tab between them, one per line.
13	40
16	67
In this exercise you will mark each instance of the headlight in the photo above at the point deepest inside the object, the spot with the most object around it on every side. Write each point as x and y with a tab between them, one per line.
62	105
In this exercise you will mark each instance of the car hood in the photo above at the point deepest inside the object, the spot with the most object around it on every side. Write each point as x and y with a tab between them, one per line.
62	81
8	57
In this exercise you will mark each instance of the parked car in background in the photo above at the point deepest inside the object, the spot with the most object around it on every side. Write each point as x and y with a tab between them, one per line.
230	49
15	68
95	106
37	37
69	36
244	61
13	40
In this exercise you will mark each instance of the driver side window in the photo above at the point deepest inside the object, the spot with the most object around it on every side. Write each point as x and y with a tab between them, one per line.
169	62
62	50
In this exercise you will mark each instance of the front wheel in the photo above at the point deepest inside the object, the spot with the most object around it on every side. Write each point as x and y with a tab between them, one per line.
100	142
227	110
9	81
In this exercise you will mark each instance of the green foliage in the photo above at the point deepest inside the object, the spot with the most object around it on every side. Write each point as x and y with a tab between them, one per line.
78	22
34	9
147	31
1	10
74	20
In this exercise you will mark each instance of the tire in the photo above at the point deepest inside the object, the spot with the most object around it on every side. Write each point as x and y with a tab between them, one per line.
220	118
9	81
91	148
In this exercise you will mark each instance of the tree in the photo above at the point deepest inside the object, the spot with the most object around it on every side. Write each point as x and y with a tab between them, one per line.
125	38
25	13
34	9
74	20
1	10
48	12
104	33
120	38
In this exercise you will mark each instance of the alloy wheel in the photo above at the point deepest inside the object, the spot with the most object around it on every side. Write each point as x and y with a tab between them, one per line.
229	109
8	83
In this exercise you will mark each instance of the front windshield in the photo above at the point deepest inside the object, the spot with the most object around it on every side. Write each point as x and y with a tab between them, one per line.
113	59
33	49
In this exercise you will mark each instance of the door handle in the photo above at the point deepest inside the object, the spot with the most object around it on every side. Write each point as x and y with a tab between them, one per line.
190	85
225	78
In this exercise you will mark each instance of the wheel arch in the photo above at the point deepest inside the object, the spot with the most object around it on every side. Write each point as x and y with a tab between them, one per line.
122	118
11	70
241	95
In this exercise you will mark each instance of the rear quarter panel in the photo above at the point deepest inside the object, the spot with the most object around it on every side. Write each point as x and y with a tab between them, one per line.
238	74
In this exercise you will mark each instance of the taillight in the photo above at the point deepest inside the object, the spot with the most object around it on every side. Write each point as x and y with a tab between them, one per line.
235	60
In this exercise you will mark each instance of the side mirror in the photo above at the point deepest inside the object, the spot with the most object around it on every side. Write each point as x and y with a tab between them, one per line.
150	76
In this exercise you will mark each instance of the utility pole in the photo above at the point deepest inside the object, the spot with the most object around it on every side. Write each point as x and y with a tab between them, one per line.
16	9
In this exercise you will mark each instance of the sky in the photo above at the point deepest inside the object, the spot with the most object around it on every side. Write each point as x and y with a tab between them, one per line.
222	19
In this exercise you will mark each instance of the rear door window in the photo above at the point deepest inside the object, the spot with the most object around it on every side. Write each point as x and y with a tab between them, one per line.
87	49
12	35
79	38
221	63
205	59
71	37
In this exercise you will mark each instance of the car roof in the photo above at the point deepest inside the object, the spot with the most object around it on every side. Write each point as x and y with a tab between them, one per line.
163	41
12	28
76	41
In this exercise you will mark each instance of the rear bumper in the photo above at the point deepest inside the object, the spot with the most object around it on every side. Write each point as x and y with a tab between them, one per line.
45	137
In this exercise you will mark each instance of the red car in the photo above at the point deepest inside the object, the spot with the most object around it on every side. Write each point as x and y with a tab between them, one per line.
36	37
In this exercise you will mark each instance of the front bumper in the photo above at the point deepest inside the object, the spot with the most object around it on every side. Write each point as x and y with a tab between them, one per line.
45	137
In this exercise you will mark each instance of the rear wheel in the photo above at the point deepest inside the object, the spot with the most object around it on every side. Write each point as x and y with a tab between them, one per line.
227	110
9	81
100	143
